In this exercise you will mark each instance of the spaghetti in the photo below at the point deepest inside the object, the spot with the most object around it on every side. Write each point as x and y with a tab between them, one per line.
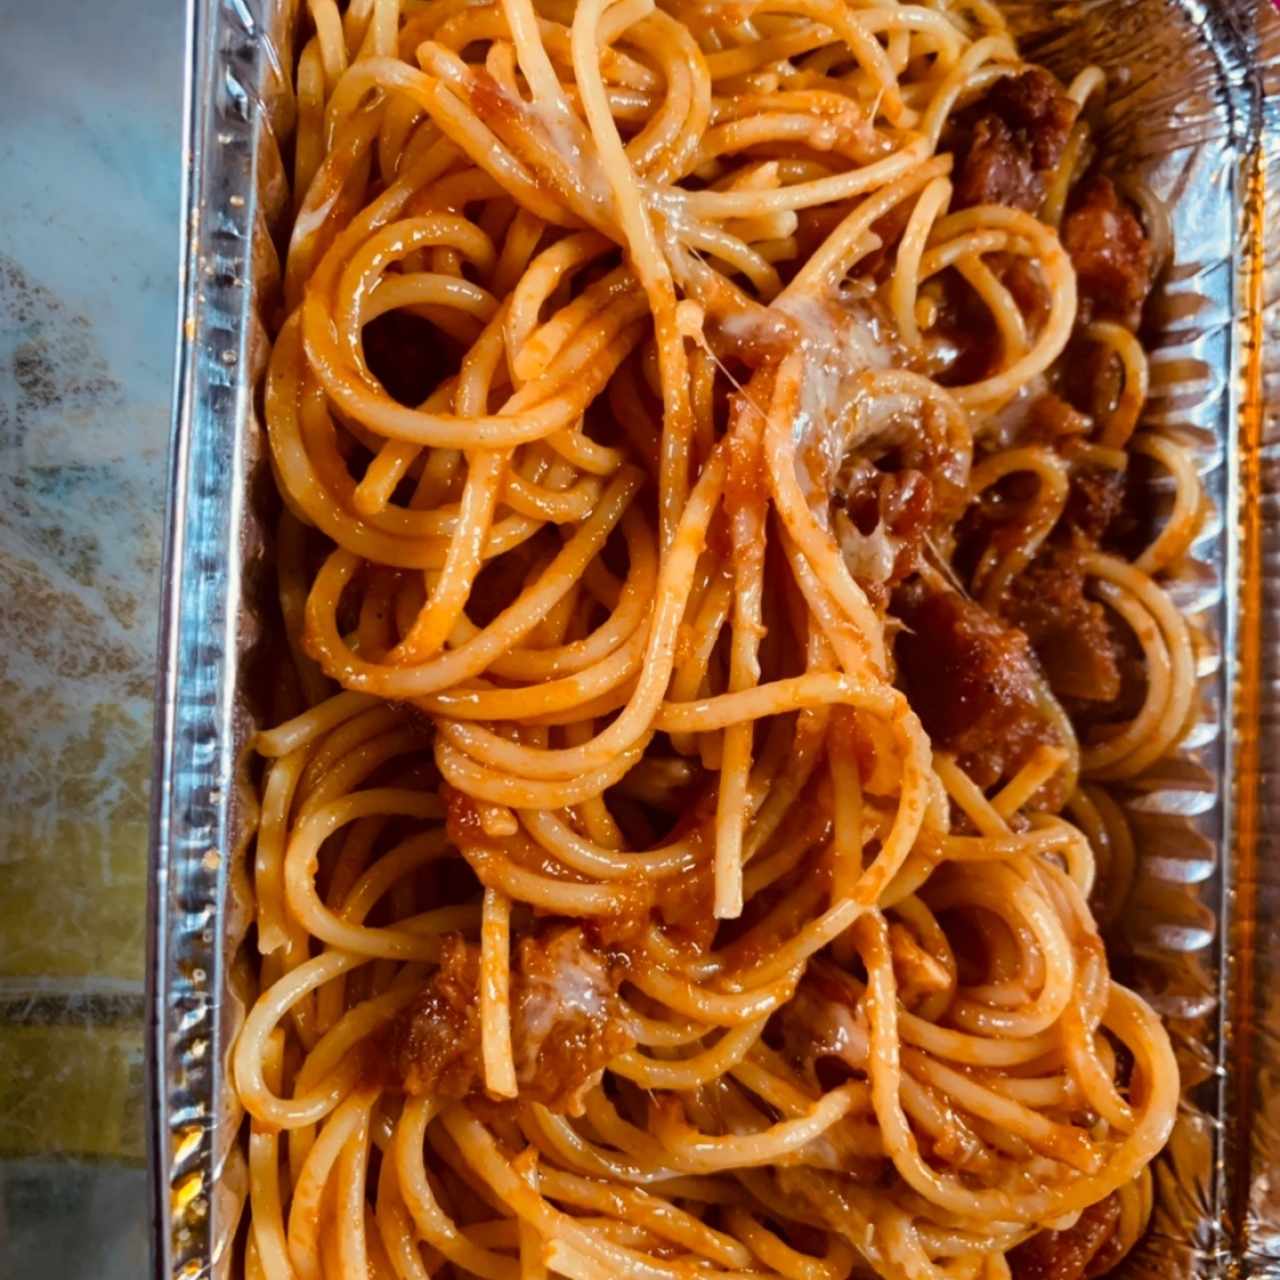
714	621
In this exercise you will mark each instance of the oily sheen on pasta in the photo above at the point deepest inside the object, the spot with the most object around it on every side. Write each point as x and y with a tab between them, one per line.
715	620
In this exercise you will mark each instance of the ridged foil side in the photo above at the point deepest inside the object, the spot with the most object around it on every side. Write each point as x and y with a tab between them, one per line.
1251	1093
235	196
1186	115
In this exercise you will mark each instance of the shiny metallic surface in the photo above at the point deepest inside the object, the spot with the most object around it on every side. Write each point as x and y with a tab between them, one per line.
1189	116
203	813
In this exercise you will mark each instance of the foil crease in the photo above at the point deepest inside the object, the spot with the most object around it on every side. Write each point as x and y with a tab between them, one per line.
1194	113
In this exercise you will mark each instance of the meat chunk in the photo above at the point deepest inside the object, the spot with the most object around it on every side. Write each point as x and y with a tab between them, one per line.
1113	1249
684	904
1092	378
566	1021
1093	502
1068	1255
822	1025
997	170
962	346
881	521
1068	631
972	680
1034	104
900	500
1110	252
918	973
1019	130
436	1040
908	474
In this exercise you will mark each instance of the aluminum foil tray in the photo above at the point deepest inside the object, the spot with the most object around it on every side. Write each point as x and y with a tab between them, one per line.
1195	113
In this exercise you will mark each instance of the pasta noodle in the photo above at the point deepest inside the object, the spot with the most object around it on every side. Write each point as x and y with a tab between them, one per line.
711	628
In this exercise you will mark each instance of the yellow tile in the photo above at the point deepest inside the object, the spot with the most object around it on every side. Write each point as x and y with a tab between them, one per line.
71	1090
